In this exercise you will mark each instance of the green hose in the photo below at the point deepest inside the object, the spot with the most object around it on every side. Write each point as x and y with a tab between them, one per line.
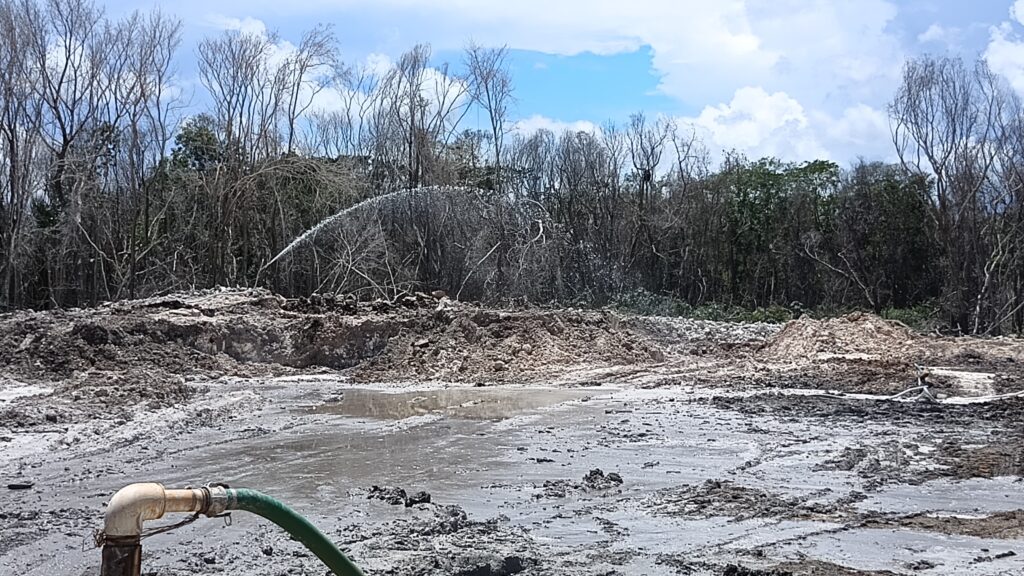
298	527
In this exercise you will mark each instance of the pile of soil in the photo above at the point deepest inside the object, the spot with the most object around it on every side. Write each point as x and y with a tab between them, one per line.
468	344
855	336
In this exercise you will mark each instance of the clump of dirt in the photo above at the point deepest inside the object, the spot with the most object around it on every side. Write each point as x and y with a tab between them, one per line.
728	499
855	336
1002	458
443	540
809	567
397	496
906	462
92	393
1002	525
804	567
594	481
1008	412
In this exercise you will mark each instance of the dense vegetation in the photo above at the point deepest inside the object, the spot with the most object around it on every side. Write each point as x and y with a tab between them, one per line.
114	185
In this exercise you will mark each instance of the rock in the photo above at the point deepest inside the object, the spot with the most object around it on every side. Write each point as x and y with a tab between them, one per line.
389	494
526	348
500	366
20	485
101	393
597	480
919	565
422	343
209	560
51	417
417	498
497	566
268	550
438	294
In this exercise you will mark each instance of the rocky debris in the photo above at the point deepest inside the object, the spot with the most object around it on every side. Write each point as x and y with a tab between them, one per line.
737	570
925	458
417	498
397	496
999	556
444	540
596	479
701	337
390	494
728	499
1001	525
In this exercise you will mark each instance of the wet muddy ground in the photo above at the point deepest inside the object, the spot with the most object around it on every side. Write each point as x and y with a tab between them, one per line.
703	459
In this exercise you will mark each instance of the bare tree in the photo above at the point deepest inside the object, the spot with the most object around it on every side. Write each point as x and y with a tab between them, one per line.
947	125
491	89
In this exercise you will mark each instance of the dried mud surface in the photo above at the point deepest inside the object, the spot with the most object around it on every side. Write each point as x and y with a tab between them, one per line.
684	447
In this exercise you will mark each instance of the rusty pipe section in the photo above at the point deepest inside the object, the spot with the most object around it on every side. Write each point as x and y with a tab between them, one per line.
137	503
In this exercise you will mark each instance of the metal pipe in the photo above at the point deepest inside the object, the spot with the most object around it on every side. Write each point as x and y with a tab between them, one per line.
137	503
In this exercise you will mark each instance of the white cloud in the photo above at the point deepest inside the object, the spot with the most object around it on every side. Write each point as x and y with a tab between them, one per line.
1005	55
245	25
378	64
934	33
760	124
1017	11
537	122
821	56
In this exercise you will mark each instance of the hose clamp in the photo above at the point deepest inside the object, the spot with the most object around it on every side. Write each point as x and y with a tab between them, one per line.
216	500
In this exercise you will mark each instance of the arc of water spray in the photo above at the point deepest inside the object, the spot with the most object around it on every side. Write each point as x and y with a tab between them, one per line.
310	234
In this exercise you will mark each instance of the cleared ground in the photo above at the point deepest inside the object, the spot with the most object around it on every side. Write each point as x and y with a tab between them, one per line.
550	441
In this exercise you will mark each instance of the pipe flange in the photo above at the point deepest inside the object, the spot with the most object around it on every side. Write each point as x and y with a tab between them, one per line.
216	500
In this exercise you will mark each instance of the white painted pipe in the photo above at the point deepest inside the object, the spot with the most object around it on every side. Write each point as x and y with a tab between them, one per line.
138	503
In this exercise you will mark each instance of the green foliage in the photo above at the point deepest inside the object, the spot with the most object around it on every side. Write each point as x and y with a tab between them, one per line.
925	316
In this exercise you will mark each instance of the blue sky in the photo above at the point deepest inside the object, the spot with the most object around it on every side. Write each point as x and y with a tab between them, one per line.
797	79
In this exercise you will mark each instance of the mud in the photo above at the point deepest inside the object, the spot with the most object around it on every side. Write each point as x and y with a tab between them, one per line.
427	436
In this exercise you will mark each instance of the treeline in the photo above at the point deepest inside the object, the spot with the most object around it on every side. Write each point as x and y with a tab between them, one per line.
116	183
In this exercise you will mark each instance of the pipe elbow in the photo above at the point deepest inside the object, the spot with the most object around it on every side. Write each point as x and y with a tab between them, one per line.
131	506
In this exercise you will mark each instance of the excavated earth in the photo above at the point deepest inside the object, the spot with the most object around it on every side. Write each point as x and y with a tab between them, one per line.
427	436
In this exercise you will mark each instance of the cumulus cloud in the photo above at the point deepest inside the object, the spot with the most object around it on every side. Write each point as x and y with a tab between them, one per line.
1005	55
537	122
760	124
824	56
1017	11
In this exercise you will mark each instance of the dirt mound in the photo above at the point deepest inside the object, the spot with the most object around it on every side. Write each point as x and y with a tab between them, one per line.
255	333
852	337
468	344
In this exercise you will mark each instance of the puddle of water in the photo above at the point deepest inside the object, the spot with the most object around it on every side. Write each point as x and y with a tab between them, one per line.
460	403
